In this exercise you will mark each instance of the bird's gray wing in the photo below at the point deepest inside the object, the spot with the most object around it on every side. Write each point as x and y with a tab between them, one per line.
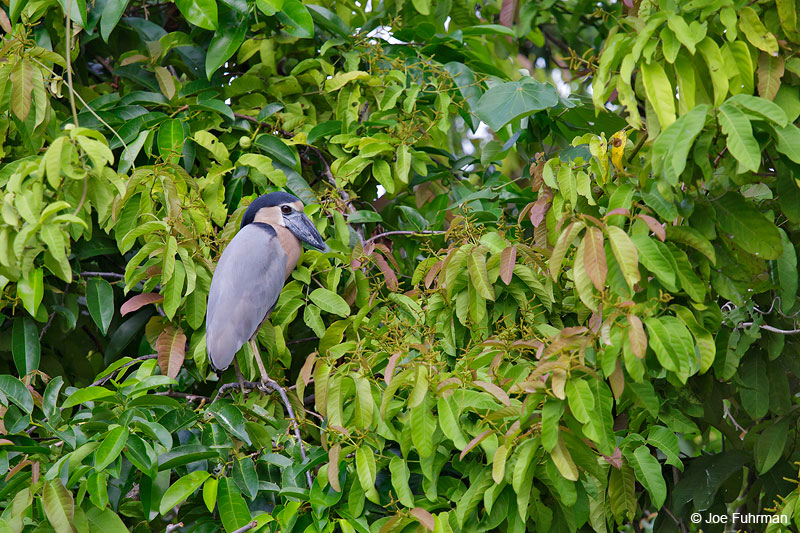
245	286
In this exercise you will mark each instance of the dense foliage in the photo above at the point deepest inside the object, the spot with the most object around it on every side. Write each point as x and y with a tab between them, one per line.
580	318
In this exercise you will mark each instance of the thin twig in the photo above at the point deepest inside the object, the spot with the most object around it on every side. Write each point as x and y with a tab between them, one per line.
185	396
112	275
247	527
743	325
638	146
404	232
719	156
69	64
113	374
47	326
304	339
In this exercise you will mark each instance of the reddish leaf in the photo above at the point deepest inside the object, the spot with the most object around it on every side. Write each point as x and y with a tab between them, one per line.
537	180
333	467
657	228
389	370
474	442
507	12
594	257
495	391
388	273
507	261
139	301
171	348
770	72
539	210
431	275
425	518
616	459
637	337
618	211
524	213
305	372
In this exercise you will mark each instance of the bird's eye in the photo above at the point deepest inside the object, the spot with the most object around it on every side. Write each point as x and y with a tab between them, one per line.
285	209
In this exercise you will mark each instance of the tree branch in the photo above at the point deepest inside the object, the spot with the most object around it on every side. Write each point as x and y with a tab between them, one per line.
403	232
112	275
743	325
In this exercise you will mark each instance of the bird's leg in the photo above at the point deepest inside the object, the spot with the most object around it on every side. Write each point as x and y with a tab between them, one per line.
271	383
239	376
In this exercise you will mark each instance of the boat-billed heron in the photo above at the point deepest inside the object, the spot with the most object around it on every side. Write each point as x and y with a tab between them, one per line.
251	272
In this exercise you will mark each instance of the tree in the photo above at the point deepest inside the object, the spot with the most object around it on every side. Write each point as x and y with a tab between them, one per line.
571	320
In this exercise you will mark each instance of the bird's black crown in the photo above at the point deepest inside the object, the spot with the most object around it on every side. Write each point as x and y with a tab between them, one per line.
272	199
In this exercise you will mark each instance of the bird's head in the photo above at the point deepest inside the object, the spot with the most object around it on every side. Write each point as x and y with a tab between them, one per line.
284	209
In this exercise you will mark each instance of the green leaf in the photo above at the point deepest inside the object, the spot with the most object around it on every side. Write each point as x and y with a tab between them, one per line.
671	148
788	141
755	31
296	19
173	290
59	506
171	137
245	476
770	445
17	392
105	520
183	455
201	13
514	100
400	476
182	489
740	141
210	493
100	301
787	273
330	302
666	441
656	258
89	394
224	44
476	266
30	289
423	426
97	487
747	226
569	234
277	150
112	12
50	397
25	345
367	470
625	254
662	345
710	51
364	405
581	401
111	447
230	418
324	129
423	7
691	237
449	422
402	164
233	510
659	92
21	88
760	107
648	472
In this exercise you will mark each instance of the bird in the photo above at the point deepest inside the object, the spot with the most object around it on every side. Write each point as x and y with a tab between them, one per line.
248	280
251	273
